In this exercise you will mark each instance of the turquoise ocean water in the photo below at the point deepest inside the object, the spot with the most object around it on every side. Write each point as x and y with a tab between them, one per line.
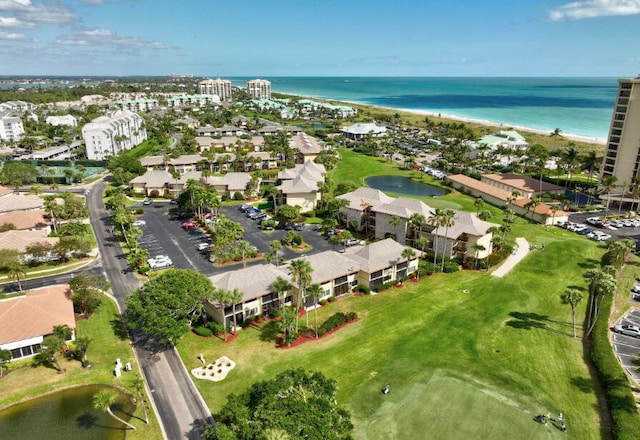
578	106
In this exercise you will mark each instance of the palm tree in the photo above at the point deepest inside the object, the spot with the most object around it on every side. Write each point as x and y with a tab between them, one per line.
222	297
235	296
478	203
281	287
556	133
315	291
408	253
572	297
416	222
103	401
477	248
422	243
275	246
137	383
447	221
601	283
16	272
435	221
300	271
394	222
484	215
590	162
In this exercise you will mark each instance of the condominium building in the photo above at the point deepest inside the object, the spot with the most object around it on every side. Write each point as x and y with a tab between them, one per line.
193	100
259	89
68	120
11	128
219	87
622	157
136	105
113	133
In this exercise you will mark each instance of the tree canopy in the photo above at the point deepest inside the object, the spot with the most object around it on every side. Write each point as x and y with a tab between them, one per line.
300	403
165	306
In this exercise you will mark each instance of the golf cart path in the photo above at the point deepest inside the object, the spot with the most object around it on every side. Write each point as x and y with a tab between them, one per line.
513	259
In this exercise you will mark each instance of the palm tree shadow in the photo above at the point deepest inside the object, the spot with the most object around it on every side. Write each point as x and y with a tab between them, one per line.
589	263
583	384
88	421
528	321
117	407
118	327
269	331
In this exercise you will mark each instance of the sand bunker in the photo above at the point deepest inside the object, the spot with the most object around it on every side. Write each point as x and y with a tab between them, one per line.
215	371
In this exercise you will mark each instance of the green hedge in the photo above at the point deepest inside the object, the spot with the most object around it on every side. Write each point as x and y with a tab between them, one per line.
335	321
202	331
626	422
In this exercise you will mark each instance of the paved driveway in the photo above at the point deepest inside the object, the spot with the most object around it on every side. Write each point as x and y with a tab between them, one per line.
627	348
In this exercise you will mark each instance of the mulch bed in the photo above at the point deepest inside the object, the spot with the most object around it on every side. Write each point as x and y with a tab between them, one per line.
304	339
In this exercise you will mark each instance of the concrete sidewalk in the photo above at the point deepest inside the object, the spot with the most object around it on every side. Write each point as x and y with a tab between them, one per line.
513	259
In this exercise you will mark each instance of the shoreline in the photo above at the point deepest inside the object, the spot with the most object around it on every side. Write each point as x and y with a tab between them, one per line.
483	122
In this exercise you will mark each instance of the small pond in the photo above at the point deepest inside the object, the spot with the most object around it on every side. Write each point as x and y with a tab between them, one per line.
403	185
65	415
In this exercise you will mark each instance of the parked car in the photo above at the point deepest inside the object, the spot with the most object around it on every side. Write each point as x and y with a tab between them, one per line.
189	225
298	226
203	246
147	201
628	330
352	242
139	223
636	288
159	262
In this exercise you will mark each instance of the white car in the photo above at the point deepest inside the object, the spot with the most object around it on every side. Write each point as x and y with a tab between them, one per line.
139	223
628	330
203	246
159	262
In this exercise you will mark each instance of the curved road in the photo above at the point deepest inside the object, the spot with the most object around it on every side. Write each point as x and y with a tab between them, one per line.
182	411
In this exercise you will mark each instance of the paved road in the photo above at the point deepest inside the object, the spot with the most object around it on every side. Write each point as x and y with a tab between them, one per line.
181	409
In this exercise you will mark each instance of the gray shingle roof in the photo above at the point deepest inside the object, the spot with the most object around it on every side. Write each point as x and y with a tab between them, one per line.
465	223
404	207
379	255
365	196
253	282
329	265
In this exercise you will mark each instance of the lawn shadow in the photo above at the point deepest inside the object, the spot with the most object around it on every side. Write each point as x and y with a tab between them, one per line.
118	328
89	421
270	331
528	321
589	263
583	384
119	408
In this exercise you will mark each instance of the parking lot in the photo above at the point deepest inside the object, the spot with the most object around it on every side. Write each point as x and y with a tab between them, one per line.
162	235
616	233
627	348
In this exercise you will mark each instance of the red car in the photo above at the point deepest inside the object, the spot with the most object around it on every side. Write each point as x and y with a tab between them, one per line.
189	225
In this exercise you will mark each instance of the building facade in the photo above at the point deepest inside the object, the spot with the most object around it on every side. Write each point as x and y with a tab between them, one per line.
622	157
113	133
11	128
218	86
259	89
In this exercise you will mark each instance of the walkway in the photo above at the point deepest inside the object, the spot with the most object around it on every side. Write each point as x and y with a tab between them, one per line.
513	259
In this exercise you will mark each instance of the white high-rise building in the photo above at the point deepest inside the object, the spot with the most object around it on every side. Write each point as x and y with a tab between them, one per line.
113	133
11	128
622	158
259	89
220	87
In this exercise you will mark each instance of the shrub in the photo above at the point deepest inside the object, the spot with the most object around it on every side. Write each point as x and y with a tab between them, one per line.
331	299
202	331
311	213
335	321
451	266
351	316
274	313
363	289
427	268
238	196
154	193
323	302
215	328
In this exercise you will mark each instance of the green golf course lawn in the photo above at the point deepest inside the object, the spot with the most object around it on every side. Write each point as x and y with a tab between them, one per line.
460	366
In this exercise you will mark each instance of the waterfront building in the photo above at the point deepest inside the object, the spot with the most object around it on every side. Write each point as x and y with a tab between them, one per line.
193	100
113	133
622	157
259	89
218	86
360	131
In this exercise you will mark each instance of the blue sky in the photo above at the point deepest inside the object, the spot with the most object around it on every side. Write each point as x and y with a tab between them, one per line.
320	38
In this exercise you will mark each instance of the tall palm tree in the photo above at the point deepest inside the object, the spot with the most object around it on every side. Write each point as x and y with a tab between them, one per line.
300	271
478	203
137	383
554	209
477	248
556	133
222	297
235	296
315	291
394	222
275	247
416	223
408	253
447	221
103	401
591	161
572	297
281	287
435	221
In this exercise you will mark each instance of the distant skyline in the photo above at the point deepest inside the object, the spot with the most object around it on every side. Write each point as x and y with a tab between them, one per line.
263	38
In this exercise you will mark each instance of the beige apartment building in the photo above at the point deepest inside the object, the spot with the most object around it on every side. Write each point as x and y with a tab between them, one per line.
259	89
218	86
622	157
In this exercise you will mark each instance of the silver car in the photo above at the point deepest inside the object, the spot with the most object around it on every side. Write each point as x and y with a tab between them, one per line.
628	330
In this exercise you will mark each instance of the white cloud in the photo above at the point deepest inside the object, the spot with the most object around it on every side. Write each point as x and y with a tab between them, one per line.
595	8
43	12
14	23
104	37
11	36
